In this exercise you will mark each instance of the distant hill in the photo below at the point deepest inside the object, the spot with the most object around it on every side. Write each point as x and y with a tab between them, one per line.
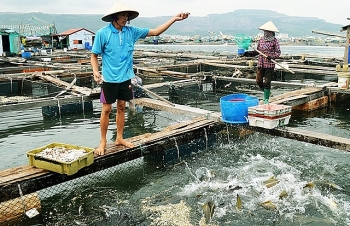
244	21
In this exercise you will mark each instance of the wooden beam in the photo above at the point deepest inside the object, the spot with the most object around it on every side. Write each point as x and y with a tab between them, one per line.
253	81
308	136
41	102
177	109
328	34
83	90
313	104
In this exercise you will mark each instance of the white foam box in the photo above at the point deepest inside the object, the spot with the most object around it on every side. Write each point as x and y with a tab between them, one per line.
270	110
268	123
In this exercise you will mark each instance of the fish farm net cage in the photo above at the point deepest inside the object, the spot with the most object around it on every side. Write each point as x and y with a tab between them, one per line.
93	198
104	197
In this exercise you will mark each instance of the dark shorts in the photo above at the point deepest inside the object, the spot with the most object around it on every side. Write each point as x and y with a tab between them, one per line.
111	92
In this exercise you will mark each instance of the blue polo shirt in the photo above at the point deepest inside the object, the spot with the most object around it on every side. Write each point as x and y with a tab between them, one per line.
116	48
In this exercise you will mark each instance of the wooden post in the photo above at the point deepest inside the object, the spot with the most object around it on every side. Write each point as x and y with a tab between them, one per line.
16	208
346	53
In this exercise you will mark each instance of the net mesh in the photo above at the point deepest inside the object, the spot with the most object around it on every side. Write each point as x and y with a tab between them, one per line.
243	41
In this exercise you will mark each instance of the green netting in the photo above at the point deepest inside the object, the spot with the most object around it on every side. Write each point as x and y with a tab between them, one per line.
243	41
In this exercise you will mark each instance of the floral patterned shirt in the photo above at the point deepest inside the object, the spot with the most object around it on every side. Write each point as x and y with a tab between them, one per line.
269	48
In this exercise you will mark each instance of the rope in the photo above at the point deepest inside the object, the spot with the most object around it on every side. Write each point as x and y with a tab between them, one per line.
21	194
339	15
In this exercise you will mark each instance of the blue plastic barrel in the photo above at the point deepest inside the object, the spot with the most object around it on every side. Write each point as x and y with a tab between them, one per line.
234	107
349	55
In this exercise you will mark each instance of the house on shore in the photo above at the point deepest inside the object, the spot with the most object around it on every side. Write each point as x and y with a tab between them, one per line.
74	39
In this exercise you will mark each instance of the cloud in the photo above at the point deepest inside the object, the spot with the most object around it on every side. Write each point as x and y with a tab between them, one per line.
334	11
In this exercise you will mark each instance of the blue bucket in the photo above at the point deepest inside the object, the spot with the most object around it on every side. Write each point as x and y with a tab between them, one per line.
241	51
234	107
26	55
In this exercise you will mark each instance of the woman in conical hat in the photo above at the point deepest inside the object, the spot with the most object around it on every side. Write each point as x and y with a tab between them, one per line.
268	45
115	43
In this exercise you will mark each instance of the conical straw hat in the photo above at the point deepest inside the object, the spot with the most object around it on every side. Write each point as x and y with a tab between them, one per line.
118	7
269	26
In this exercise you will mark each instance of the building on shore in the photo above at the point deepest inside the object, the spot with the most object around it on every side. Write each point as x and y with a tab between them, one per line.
74	39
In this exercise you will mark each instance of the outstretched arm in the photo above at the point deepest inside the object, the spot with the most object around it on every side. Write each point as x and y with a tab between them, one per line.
161	28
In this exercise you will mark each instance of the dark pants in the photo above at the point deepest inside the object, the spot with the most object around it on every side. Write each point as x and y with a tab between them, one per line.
263	77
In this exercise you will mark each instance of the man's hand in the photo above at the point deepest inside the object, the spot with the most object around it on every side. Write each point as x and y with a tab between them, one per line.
98	77
181	16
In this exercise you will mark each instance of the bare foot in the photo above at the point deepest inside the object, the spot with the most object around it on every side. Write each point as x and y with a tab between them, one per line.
124	142
100	150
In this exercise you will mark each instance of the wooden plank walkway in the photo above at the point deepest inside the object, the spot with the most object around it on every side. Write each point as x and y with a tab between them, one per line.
32	179
297	97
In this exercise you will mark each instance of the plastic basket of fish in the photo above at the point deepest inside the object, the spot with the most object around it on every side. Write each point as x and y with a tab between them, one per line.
268	123
61	158
270	111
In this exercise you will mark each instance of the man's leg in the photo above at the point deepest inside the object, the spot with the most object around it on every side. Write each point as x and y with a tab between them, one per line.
104	121
120	120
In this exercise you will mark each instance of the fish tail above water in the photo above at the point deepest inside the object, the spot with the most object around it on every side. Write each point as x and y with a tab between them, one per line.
238	203
271	182
269	205
208	210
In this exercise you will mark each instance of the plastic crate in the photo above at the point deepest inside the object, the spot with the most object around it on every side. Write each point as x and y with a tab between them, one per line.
272	111
57	166
268	123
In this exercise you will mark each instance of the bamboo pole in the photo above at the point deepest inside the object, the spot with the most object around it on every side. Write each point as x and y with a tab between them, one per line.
274	61
347	44
157	96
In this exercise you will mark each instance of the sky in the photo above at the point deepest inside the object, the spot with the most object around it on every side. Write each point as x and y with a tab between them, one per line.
333	11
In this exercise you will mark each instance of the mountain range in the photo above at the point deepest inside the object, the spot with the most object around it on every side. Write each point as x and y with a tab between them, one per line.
244	21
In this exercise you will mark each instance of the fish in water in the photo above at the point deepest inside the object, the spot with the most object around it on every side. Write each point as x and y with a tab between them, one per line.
272	181
269	205
231	188
238	203
333	186
283	194
323	184
208	209
309	185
